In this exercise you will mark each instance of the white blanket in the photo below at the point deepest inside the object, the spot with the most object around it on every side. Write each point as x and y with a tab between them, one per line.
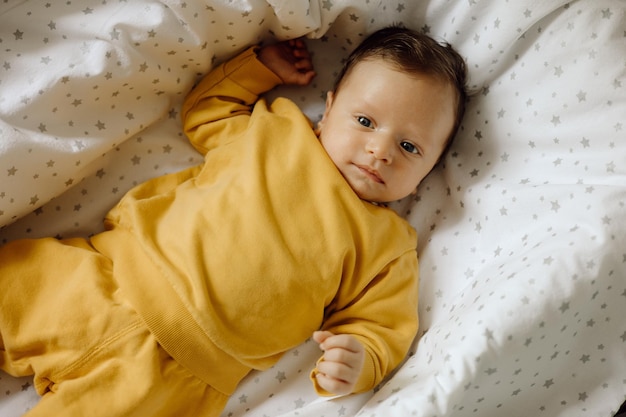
522	244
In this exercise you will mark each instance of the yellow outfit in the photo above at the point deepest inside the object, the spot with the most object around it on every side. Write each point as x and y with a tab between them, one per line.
223	267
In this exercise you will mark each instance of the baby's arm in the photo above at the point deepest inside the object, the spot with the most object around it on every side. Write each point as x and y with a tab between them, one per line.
342	363
381	315
290	60
211	112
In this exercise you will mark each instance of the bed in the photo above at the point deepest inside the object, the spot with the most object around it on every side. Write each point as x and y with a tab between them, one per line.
522	227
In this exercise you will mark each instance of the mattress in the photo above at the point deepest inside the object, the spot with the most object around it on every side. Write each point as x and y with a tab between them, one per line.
521	228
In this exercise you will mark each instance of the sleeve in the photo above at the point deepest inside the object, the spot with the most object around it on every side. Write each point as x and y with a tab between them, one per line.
384	319
218	108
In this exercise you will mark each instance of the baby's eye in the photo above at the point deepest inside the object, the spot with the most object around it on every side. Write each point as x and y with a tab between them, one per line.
364	121
409	147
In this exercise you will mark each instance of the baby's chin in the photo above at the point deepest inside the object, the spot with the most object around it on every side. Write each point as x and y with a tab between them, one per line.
371	199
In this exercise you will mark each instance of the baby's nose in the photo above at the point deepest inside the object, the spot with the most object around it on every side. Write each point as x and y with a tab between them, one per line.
381	148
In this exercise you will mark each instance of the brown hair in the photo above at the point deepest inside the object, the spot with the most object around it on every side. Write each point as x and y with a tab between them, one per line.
414	52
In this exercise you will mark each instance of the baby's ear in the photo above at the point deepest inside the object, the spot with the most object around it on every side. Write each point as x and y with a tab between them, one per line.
330	96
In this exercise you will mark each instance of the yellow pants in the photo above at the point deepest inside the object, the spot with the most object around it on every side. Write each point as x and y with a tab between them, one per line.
64	320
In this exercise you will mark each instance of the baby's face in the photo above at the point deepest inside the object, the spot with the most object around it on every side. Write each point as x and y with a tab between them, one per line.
385	129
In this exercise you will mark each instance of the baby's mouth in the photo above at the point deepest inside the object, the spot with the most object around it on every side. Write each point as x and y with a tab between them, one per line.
371	173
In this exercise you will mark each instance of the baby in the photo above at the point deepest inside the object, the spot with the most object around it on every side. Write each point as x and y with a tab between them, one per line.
282	233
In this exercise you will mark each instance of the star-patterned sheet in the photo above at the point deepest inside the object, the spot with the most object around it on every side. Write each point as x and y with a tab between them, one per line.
522	229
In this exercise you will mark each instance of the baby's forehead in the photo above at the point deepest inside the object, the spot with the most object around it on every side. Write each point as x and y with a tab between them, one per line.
367	71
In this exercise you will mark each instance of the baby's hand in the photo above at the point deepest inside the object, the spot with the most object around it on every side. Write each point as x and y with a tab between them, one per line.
342	362
290	60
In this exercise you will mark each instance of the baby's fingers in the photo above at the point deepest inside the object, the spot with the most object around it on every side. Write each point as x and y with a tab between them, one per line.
303	64
341	371
342	341
341	364
333	385
321	335
299	47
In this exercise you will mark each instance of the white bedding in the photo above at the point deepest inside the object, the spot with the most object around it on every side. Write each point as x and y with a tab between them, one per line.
522	230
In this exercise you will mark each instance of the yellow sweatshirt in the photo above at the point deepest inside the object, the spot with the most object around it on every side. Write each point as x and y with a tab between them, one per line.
236	261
